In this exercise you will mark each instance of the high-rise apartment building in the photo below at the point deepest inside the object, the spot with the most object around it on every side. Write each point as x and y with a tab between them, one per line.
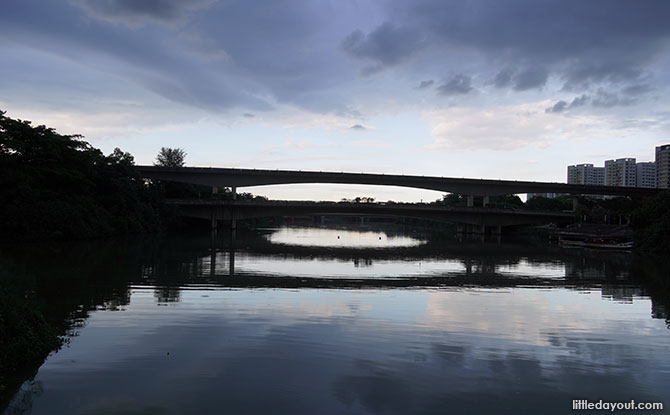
586	174
663	166
646	174
621	172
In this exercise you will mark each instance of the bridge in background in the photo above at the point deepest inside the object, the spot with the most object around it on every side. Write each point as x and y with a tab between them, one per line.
478	220
225	177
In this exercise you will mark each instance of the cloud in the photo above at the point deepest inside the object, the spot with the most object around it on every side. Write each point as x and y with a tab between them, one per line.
504	77
250	56
248	115
213	59
561	105
134	12
507	127
357	127
386	45
603	99
529	78
581	42
458	85
425	84
606	99
637	89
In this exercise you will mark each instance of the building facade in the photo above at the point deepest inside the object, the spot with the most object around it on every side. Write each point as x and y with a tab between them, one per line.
621	172
646	174
586	174
663	166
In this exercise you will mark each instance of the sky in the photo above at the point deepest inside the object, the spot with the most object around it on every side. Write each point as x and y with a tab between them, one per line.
514	89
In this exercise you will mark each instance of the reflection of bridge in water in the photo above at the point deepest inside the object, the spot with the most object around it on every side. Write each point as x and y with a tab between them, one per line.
231	260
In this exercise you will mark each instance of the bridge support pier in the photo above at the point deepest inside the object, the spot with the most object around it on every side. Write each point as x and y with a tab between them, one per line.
478	229
215	221
485	201
471	200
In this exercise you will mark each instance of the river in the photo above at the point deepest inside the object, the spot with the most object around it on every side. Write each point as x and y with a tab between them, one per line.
309	320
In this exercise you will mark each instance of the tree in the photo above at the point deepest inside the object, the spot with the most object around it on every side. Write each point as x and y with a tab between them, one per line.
57	186
170	157
118	156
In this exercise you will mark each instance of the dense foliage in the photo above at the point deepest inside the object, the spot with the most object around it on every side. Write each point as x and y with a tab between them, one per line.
26	337
651	222
59	186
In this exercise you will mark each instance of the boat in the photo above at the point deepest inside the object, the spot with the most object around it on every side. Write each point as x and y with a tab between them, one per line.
596	244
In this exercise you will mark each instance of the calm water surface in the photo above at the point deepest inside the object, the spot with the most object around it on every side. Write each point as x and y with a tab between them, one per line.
297	321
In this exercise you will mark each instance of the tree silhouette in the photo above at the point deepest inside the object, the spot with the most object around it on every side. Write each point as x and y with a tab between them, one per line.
170	157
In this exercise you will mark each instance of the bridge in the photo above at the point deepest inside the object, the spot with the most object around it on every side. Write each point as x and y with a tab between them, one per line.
227	177
475	219
479	219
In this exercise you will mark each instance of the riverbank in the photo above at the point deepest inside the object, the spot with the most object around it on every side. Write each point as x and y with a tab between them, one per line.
26	335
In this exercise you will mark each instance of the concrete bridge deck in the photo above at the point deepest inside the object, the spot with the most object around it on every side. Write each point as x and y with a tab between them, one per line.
227	177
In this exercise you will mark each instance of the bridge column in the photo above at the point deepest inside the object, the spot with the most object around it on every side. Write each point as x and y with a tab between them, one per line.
234	192
471	200
215	221
215	190
212	255
485	201
575	203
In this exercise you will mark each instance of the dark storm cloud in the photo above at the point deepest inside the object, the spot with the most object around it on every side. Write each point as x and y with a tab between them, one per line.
580	42
457	85
611	38
221	54
386	45
133	11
